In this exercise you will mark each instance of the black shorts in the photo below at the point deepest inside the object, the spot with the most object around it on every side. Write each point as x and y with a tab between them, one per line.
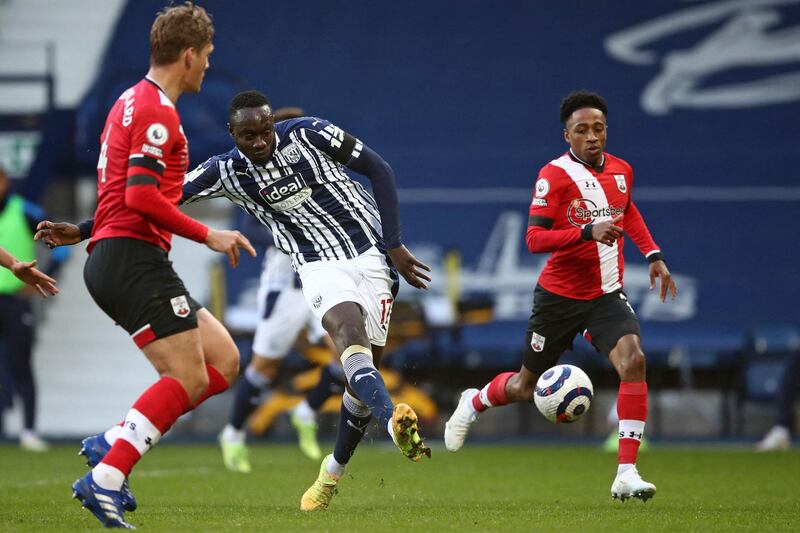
556	320
133	282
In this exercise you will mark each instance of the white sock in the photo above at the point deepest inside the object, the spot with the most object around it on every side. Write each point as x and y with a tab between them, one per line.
334	467
624	468
108	477
304	412
112	434
25	434
390	429
232	435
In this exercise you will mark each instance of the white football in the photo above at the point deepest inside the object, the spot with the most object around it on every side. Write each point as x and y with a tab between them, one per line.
563	394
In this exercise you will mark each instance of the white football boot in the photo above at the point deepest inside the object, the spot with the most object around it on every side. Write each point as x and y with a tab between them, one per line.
778	438
456	429
630	484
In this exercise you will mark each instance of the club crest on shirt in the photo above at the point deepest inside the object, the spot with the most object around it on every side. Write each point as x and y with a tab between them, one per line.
286	193
537	342
316	301
180	306
621	184
542	187
291	153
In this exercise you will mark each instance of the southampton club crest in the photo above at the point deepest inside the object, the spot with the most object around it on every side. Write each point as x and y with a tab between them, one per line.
291	153
537	342
180	306
621	185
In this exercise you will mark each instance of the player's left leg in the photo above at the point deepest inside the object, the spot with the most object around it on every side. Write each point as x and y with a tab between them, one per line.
613	328
628	359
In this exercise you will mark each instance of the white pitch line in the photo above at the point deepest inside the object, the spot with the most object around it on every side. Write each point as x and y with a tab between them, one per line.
169	472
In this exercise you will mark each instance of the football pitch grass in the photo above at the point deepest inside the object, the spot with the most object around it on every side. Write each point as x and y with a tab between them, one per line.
184	487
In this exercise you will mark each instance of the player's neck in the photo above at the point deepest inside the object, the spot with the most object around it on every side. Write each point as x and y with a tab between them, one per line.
169	79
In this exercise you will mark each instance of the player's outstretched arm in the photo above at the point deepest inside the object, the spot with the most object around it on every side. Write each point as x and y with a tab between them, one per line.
229	243
27	273
412	269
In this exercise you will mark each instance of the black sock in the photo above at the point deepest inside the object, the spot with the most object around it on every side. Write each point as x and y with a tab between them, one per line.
353	419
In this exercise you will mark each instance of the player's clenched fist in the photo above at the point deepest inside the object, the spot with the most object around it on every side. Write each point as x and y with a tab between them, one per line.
229	242
607	232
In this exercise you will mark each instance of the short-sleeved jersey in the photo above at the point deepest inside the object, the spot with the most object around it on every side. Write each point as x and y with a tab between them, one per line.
314	210
572	194
142	139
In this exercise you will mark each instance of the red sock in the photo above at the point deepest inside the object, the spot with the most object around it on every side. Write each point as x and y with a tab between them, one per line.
216	384
150	417
632	413
493	394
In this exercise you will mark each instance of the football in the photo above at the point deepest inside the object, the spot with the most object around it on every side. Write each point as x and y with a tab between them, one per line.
563	394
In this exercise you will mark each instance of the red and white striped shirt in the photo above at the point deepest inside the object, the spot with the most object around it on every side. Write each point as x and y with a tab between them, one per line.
568	195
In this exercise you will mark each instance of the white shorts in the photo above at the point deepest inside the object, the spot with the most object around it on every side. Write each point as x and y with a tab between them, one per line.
366	280
282	310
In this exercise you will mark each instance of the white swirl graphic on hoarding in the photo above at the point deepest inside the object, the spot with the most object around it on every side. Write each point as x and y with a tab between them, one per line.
742	34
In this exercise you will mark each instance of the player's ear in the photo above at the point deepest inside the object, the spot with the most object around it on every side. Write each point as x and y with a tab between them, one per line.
566	135
189	56
230	129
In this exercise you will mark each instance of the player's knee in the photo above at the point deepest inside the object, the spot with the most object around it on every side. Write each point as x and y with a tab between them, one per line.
632	365
228	365
195	383
350	333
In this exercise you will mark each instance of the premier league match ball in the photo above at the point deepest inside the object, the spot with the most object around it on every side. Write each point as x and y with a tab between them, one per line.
563	394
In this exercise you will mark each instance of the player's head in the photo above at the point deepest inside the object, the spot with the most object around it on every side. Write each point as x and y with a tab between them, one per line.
584	117
183	35
251	123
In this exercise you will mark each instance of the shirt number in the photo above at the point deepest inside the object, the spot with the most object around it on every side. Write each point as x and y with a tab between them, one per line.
102	161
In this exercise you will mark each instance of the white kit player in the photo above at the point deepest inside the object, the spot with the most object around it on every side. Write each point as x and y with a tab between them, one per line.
344	243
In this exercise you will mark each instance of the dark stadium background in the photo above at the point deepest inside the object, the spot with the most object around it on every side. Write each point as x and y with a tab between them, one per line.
462	99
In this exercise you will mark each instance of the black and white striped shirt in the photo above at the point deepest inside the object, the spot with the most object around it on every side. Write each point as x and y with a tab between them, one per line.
315	211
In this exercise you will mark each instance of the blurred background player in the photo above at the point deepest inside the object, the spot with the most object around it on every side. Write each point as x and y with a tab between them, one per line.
143	160
344	243
18	220
283	315
577	213
779	437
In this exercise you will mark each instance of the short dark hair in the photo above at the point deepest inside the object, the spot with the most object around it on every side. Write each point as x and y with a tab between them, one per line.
246	99
177	28
579	100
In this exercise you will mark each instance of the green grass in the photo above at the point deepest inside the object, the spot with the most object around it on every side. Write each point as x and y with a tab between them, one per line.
482	488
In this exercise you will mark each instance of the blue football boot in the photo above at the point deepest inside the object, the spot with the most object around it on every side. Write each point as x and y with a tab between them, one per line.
106	505
96	447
